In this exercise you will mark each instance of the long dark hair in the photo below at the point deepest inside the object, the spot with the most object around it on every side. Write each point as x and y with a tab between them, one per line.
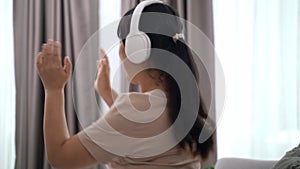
181	50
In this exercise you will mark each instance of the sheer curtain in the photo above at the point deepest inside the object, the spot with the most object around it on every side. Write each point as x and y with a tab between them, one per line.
258	43
7	87
109	13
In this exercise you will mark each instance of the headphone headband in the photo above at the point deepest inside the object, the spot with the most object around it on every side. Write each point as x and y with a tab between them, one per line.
136	16
138	44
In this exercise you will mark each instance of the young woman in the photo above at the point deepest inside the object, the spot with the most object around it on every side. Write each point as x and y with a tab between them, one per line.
93	145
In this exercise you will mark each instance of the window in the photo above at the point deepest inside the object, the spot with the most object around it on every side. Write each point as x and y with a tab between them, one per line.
109	13
258	42
7	87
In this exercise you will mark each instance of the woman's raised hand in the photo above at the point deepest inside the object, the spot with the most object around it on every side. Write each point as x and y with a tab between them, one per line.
102	82
53	75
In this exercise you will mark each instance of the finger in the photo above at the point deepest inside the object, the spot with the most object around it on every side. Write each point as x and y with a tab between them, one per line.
67	65
44	52
105	65
44	48
102	53
49	46
57	51
98	62
99	73
105	61
49	50
103	56
39	60
100	67
47	53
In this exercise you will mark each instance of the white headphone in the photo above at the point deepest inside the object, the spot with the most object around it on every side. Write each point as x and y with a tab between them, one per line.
138	44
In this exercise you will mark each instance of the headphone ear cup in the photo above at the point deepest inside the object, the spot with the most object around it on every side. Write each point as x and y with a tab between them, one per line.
137	47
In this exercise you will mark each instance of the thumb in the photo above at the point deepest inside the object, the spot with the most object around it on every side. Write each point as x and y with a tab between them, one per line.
67	65
102	53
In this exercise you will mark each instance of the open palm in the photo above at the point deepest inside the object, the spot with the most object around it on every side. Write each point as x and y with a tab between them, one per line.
53	75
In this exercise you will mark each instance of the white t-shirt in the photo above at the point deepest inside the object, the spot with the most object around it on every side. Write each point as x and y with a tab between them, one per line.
135	134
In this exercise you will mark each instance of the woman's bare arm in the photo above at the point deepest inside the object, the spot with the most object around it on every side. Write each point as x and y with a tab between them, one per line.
109	96
102	82
62	150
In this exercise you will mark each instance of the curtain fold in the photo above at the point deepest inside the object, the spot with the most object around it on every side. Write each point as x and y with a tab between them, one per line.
200	14
71	22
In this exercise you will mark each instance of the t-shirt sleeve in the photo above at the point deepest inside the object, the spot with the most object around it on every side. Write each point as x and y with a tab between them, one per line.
105	142
97	138
96	151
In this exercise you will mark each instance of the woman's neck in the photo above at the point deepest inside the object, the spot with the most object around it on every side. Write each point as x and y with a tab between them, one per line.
150	88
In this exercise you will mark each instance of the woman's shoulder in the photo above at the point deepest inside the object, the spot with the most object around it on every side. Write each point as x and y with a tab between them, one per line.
135	112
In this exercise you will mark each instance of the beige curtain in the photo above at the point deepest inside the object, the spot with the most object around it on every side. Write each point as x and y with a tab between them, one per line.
199	13
71	22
